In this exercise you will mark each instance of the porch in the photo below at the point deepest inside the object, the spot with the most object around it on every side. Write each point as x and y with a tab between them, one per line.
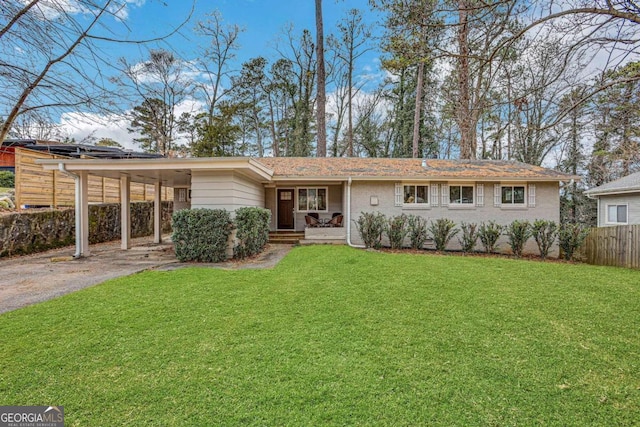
291	204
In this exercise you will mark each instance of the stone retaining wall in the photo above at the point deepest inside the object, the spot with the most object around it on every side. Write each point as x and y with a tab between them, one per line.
28	232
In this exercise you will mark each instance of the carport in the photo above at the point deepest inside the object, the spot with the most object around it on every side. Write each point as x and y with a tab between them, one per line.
160	172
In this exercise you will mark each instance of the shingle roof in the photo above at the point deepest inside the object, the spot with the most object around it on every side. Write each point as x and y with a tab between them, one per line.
380	168
629	183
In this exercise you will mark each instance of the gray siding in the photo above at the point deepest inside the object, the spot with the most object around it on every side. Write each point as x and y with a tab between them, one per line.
218	190
547	206
632	200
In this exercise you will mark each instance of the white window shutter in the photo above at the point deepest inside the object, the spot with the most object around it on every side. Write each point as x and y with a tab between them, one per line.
434	194
479	194
497	195
444	189
398	194
532	195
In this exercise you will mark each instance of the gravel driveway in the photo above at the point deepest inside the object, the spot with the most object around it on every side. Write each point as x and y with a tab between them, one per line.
35	278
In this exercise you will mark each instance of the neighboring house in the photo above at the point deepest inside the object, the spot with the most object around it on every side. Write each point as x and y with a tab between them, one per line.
469	191
618	201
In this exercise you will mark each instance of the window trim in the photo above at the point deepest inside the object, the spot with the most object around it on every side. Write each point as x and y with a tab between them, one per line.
606	213
416	204
460	204
297	198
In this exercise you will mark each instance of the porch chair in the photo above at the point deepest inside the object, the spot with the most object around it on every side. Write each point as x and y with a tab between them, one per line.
336	221
311	221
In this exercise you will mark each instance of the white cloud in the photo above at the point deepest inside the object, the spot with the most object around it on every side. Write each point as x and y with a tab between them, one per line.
84	126
52	9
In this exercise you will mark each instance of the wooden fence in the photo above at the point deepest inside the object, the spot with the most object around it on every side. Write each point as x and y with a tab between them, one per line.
37	187
616	246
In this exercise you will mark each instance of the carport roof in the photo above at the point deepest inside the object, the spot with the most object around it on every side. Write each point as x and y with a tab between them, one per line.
171	172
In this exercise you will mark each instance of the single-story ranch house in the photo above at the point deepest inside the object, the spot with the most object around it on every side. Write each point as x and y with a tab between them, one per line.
292	188
618	201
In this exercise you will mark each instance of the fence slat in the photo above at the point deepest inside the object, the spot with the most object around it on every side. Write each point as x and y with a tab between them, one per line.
615	246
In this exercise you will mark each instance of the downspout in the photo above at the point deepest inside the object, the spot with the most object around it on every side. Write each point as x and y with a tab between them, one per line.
349	217
76	180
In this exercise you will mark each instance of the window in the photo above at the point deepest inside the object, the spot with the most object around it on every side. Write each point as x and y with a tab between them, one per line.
416	194
513	194
312	199
461	194
617	214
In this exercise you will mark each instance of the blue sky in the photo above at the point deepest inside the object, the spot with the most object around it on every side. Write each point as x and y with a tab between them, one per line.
262	21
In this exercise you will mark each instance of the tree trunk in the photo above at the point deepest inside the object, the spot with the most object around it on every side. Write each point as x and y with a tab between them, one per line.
321	150
418	111
464	113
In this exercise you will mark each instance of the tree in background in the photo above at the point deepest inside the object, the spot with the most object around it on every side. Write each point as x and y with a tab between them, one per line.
161	83
349	45
321	98
64	66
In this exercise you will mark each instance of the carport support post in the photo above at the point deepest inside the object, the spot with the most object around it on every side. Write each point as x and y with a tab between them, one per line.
125	212
82	214
157	213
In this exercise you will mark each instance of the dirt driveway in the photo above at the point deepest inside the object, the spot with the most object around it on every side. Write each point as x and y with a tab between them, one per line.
34	278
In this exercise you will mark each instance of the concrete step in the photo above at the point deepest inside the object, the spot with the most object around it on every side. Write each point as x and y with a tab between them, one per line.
291	238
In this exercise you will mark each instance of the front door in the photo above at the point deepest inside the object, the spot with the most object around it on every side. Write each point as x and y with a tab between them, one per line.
285	209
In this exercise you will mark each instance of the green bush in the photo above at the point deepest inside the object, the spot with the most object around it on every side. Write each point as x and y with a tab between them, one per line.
544	232
489	234
469	236
570	238
442	231
518	232
252	231
370	226
7	179
417	230
201	234
396	229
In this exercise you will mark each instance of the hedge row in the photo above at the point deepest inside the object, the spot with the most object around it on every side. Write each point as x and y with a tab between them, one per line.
202	235
373	226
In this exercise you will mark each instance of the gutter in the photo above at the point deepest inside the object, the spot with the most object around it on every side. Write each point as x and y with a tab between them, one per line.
76	180
349	217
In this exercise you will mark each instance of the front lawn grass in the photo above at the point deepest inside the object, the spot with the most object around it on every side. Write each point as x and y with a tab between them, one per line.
337	336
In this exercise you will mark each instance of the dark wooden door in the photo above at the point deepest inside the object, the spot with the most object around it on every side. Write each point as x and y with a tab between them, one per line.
285	209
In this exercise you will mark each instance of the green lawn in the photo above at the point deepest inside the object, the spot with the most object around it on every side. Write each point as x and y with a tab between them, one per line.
337	336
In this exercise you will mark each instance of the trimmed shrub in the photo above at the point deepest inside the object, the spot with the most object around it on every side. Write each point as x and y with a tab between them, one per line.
518	232
570	238
201	234
489	234
544	232
417	230
442	231
7	179
370	226
252	231
396	229
469	236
